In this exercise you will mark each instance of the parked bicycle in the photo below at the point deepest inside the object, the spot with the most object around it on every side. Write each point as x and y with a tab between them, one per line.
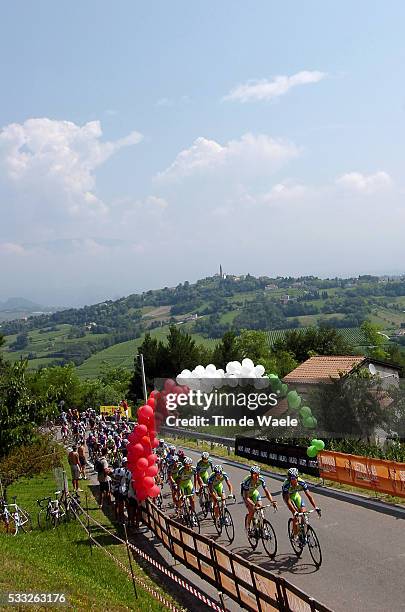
187	515
306	536
13	518
261	528
224	519
51	514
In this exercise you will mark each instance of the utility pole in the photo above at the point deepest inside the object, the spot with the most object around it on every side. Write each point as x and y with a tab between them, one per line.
145	391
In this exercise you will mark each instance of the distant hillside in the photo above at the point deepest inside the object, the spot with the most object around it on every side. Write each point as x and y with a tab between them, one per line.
206	309
20	304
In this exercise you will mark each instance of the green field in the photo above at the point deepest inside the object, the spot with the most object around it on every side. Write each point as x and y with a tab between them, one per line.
353	335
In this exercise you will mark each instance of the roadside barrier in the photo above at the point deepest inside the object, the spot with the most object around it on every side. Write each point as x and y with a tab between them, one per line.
251	586
377	475
155	594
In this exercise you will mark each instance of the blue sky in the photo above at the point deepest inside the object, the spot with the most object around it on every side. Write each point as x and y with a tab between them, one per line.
141	144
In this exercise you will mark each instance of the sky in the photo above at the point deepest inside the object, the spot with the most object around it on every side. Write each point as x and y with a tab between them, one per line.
142	144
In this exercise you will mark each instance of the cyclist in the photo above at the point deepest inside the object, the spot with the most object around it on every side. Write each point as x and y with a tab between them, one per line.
161	451
291	489
216	487
251	494
204	465
181	455
185	481
173	467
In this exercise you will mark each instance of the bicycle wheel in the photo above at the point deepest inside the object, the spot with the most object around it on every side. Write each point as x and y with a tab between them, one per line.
269	539
159	501
314	546
193	521
229	527
253	535
218	522
43	519
25	521
8	525
297	546
55	519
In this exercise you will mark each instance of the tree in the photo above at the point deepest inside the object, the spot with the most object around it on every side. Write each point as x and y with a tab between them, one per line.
313	341
352	406
227	350
253	344
149	349
376	341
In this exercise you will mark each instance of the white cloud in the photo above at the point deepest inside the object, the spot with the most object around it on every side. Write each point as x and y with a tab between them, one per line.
251	154
155	201
263	89
365	184
285	192
12	248
47	168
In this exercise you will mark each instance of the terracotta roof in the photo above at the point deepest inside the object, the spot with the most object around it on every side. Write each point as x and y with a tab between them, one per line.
321	368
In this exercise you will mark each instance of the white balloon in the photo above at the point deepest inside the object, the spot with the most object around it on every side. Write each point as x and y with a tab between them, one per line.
248	363
245	372
259	370
199	370
211	368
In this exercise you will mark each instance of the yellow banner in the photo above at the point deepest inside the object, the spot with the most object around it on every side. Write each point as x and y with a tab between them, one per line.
111	410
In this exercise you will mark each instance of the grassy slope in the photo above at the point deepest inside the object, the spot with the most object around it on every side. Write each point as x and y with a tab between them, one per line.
60	561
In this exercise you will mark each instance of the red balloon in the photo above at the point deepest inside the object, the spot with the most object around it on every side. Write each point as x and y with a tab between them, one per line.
140	430
151	402
154	492
152	470
145	440
148	482
155	443
141	495
144	420
132	437
145	411
136	450
152	459
142	463
169	385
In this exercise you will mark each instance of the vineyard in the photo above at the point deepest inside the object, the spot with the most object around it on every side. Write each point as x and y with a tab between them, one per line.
353	335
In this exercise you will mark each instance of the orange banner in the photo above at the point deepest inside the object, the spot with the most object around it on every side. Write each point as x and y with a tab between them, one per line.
364	472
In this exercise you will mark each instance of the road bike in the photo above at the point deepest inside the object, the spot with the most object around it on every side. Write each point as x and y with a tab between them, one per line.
224	518
52	514
187	515
13	518
261	529
306	536
204	500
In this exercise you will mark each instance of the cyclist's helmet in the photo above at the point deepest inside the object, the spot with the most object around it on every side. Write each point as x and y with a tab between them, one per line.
181	454
205	456
188	461
172	449
255	469
292	473
218	469
161	442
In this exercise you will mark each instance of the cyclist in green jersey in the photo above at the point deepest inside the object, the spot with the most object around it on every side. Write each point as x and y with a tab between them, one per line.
173	468
291	489
251	494
216	486
204	466
185	481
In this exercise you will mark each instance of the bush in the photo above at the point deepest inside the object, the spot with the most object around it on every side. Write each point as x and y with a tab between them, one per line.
31	459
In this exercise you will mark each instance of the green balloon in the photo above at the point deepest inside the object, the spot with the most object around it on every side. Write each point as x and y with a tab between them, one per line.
311	451
319	444
294	400
310	422
283	390
305	412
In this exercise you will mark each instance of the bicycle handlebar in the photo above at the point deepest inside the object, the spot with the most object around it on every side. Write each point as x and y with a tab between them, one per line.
318	510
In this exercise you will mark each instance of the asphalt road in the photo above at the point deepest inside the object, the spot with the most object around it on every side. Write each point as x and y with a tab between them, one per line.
363	550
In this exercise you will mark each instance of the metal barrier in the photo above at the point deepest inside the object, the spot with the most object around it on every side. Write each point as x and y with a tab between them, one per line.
251	586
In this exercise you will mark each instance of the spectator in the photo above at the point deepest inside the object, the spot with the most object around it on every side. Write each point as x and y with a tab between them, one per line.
103	476
74	462
132	507
121	478
82	460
